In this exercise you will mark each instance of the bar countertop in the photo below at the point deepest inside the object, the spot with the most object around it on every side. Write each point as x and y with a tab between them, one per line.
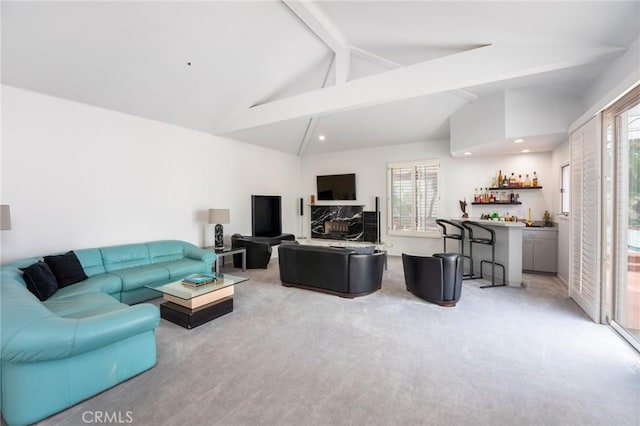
492	222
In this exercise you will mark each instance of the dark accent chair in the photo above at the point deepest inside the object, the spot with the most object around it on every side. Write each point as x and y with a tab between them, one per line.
258	249
436	278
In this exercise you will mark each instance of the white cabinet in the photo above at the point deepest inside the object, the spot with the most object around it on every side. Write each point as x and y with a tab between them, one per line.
540	250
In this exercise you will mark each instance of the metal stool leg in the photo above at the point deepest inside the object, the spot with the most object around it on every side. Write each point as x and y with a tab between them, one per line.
493	270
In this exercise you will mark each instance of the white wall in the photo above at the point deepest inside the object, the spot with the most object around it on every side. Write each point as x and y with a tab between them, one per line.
459	178
620	76
78	176
533	113
477	123
559	157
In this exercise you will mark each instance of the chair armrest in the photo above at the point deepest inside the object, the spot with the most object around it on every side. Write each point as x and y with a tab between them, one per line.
365	272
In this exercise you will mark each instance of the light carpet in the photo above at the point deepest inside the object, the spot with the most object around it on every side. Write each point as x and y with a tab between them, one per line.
287	356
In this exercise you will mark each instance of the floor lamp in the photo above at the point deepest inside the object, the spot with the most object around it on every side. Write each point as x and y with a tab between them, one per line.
218	217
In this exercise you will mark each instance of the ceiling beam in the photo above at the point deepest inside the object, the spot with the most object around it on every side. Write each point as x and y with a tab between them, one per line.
322	27
470	68
388	63
313	121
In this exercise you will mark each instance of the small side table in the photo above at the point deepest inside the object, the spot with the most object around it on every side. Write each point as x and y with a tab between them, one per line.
228	251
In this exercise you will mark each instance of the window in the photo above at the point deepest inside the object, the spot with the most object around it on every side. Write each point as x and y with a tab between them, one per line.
564	190
413	198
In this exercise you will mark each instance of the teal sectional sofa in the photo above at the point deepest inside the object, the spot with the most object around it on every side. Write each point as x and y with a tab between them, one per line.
85	338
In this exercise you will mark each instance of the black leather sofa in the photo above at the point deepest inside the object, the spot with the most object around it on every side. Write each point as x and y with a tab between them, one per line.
436	279
340	271
258	249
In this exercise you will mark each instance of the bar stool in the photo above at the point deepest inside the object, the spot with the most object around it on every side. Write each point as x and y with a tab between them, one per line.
455	236
489	240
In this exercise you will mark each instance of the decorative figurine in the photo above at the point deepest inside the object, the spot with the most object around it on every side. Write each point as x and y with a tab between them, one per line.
463	207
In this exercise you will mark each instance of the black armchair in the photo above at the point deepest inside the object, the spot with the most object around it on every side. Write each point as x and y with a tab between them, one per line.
258	252
437	279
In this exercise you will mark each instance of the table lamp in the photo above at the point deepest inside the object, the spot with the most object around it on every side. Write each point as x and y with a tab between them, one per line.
218	217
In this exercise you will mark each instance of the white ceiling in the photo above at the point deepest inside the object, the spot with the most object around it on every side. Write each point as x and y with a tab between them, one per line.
258	68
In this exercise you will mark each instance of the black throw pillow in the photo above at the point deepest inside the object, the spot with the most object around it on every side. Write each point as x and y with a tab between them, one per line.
66	268
40	280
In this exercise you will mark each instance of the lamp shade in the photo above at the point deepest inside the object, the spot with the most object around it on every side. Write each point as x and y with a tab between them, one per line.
5	217
218	216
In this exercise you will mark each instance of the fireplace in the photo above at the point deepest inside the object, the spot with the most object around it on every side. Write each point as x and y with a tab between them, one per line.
335	226
337	222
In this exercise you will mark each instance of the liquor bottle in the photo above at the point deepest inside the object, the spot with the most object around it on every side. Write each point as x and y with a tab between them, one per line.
497	199
512	180
475	195
505	181
520	181
492	198
535	179
499	178
527	181
512	197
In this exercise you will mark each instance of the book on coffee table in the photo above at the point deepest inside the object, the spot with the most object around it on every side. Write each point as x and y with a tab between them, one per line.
199	279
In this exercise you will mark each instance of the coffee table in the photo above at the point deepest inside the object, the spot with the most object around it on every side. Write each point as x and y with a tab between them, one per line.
191	307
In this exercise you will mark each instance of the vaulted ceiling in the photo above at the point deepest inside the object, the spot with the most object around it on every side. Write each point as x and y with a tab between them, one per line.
281	73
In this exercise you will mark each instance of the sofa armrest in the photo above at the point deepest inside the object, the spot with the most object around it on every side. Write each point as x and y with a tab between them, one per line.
365	272
57	338
196	253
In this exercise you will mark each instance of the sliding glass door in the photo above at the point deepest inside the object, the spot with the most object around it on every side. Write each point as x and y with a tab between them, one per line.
621	233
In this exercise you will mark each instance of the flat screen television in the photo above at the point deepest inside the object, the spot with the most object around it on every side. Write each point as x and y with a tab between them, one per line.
337	187
266	215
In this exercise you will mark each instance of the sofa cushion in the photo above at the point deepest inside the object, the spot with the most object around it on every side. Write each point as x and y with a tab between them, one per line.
179	269
105	283
134	278
98	310
164	251
125	256
91	261
40	280
362	249
66	268
65	306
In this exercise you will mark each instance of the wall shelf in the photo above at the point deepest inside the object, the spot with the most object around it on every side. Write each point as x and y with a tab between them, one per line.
497	204
507	188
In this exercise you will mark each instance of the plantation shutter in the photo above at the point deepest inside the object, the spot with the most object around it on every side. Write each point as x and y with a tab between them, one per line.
426	197
413	198
584	286
401	198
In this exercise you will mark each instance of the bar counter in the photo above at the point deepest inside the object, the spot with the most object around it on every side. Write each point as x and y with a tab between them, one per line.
508	246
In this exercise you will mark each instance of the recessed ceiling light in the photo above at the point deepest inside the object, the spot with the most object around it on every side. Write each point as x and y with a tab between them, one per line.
321	138
467	153
518	141
525	150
